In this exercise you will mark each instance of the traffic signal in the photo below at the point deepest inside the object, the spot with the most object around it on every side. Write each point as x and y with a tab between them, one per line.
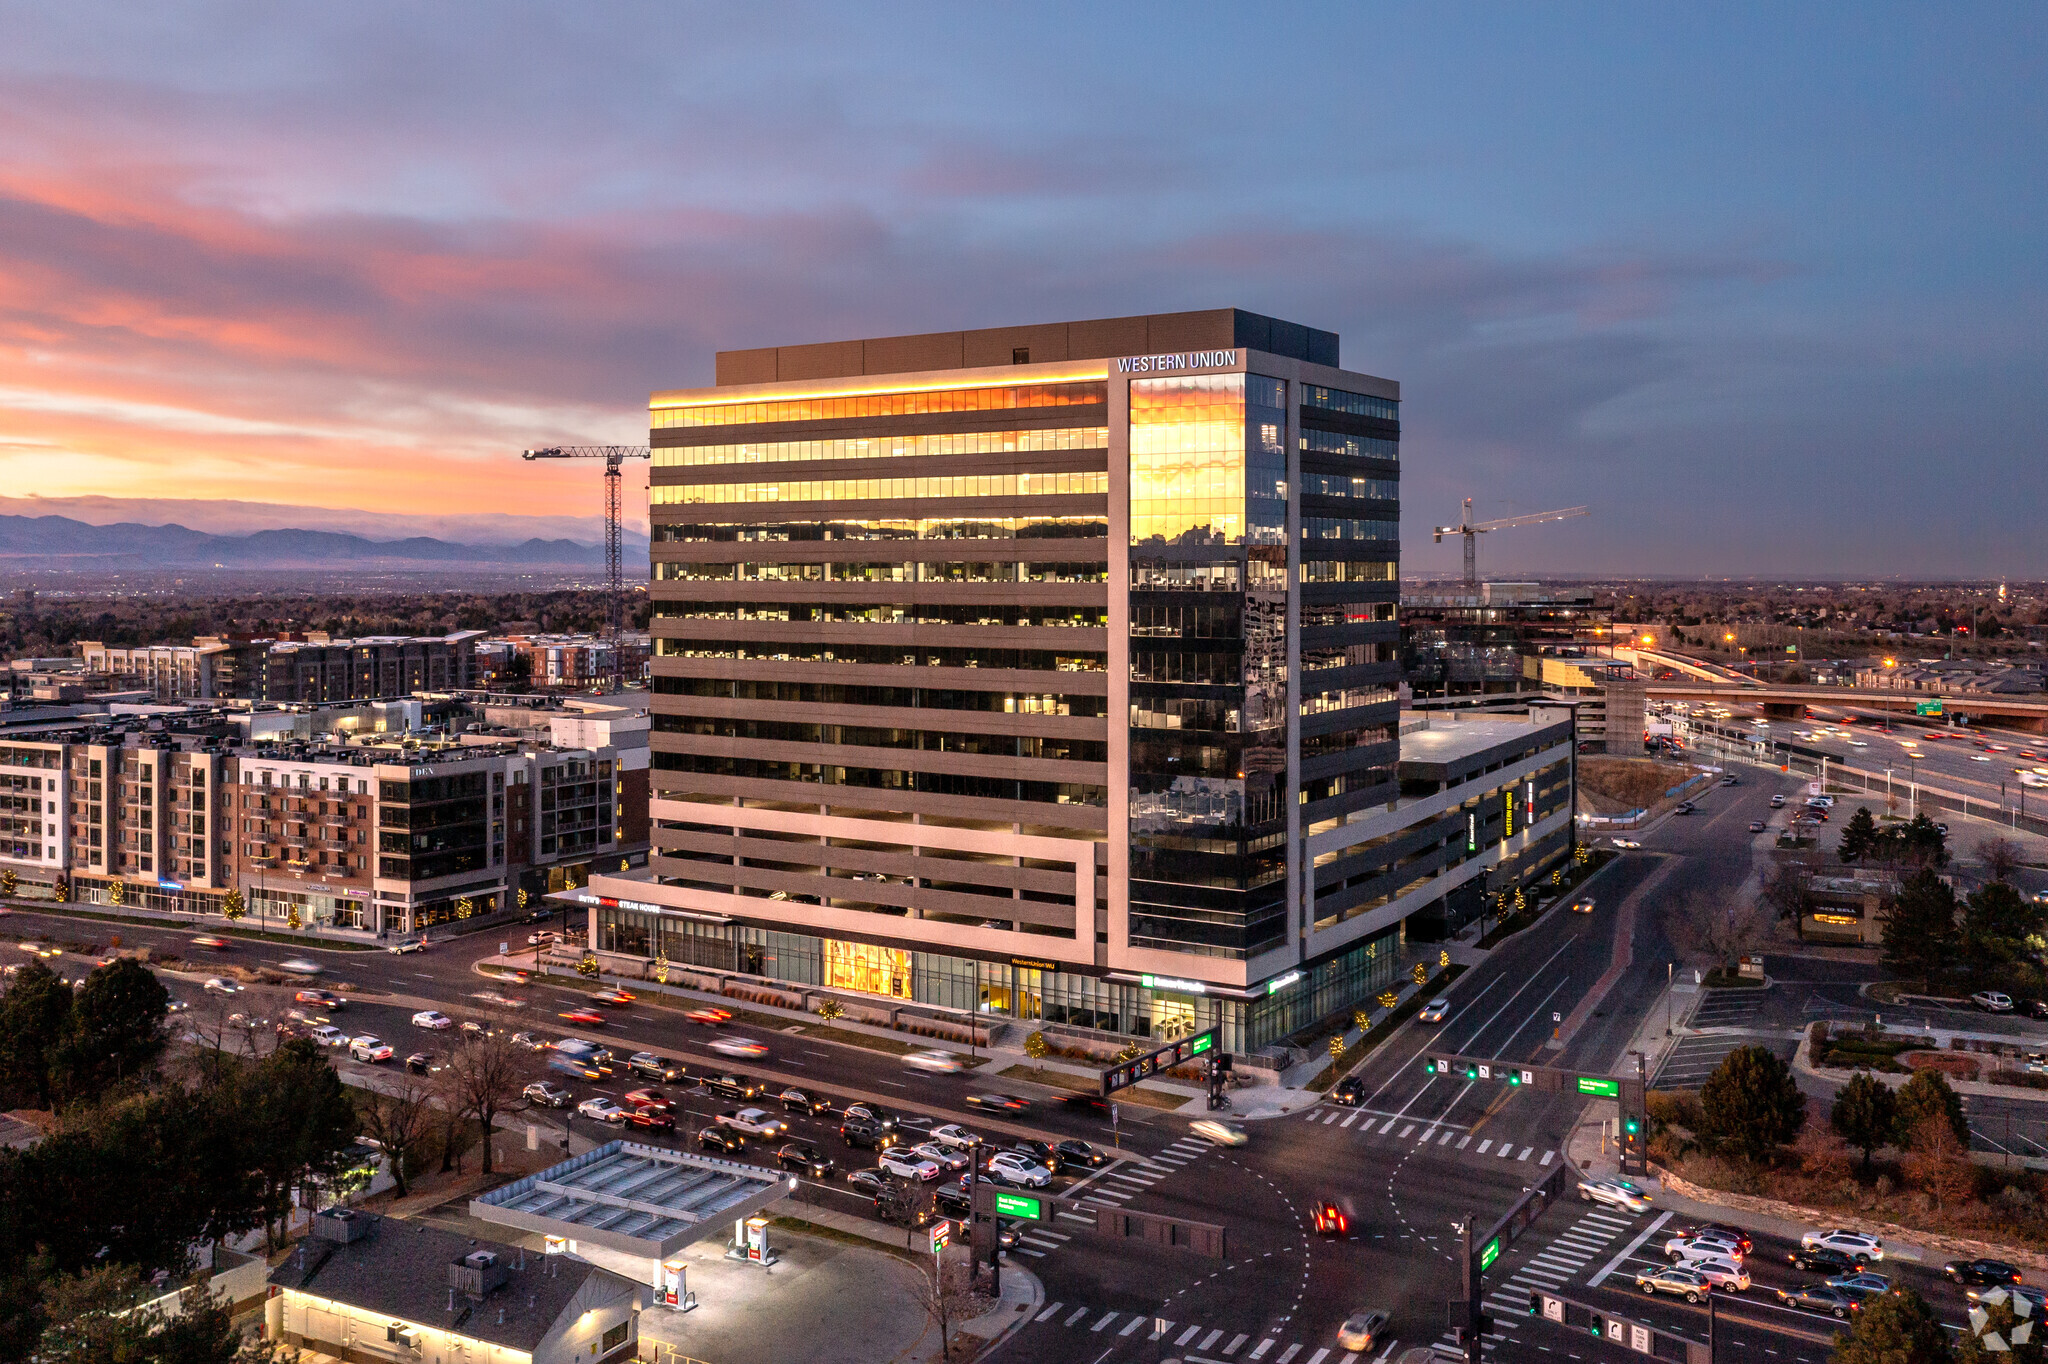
1514	1077
1631	1126
1430	1066
1471	1072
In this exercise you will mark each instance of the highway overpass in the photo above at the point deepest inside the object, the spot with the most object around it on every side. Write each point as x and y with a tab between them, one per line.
1789	701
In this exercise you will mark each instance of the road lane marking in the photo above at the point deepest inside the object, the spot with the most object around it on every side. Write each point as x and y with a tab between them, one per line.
1463	1140
1160	1326
1259	1352
1525	1153
1238	1340
1189	1334
1318	1357
1448	1134
1482	1147
1079	1312
1292	1351
1351	1119
1136	1322
1207	1340
1107	1318
1631	1249
1406	1130
1048	1311
1390	1125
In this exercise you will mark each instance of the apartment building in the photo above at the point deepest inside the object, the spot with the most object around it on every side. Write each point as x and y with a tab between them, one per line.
1009	670
308	668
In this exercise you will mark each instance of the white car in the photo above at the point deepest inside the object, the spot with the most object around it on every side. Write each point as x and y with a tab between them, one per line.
949	1158
1220	1132
299	966
1626	843
953	1134
1992	1001
739	1046
329	1037
405	945
1851	1243
1615	1193
908	1165
1707	1243
755	1122
216	986
432	1018
1014	1167
938	1062
1435	1011
601	1110
1724	1274
369	1049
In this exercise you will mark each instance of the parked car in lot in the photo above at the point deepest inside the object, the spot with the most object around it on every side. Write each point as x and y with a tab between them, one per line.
1982	1273
1615	1193
1437	1010
421	1063
1676	1280
1820	1297
1777	802
723	1139
601	1110
547	1094
1867	1248
805	1159
1992	1001
1756	826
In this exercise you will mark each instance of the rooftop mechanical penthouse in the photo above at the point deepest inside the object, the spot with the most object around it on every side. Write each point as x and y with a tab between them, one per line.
1011	670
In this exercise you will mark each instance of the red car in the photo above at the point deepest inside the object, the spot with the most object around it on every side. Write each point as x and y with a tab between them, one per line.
1330	1219
651	1098
653	1119
709	1016
589	1018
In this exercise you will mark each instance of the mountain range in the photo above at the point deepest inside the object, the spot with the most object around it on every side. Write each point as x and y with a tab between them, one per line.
60	543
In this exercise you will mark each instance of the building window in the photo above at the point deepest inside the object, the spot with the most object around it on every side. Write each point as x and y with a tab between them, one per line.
866	968
1020	355
614	1338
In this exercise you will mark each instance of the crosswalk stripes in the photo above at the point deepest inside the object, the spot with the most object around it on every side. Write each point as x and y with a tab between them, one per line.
1380	1129
1183	1336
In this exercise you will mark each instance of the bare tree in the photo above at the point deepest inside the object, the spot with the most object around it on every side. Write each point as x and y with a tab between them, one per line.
1701	926
485	1077
1784	887
400	1120
2000	855
946	1291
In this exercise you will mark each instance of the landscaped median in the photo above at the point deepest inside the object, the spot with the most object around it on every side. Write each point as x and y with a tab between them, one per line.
1973	1065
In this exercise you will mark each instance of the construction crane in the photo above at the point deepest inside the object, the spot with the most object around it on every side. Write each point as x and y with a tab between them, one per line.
1472	530
615	582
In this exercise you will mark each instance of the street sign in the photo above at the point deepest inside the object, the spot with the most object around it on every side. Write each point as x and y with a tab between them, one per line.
1023	1207
1488	1253
1927	707
1606	1089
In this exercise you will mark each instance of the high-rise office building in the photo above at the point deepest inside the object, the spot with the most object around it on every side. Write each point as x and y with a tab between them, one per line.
1013	671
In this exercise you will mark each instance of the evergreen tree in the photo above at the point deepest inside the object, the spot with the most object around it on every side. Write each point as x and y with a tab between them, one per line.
1866	1114
1894	1328
1927	1095
1920	929
1750	1106
35	1019
1858	835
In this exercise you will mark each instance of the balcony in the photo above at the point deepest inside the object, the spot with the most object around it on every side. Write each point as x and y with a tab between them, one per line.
264	861
334	844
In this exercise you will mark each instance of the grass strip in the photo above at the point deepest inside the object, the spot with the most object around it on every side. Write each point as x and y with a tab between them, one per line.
1059	1079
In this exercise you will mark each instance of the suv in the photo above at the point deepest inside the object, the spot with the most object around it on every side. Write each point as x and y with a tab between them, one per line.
1851	1243
1679	1281
329	1036
805	1159
797	1101
1777	802
873	1113
369	1049
646	1063
731	1086
1350	1092
866	1134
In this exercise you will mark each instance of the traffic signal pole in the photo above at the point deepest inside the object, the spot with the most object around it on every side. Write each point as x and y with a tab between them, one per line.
1469	1332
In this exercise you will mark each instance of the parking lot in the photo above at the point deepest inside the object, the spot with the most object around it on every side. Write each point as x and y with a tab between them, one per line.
1689	1063
1728	1008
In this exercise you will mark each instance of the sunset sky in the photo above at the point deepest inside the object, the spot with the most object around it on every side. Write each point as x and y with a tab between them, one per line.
1764	285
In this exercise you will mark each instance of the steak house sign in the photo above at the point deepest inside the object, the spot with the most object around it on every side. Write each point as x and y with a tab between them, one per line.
1160	364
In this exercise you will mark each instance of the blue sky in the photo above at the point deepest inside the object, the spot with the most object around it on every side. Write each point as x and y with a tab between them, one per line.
1762	285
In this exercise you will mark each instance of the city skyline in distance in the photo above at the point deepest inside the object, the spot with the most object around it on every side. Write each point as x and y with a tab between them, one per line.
1766	298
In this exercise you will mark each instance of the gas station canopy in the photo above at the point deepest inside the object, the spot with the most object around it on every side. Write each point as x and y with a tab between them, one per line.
633	1199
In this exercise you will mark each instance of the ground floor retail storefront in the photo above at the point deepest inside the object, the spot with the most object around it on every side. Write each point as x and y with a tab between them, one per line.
1026	992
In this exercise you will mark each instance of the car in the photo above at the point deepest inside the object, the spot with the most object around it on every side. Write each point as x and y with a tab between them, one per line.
755	1122
1330	1219
1074	1151
1676	1280
1362	1330
1861	1286
1014	1167
951	1159
1824	1260
328	1037
1866	1248
1626	843
216	986
1980	757
739	1046
867	1181
1042	1152
866	1134
1583	905
421	1063
299	966
529	1041
798	1101
1777	802
1992	1001
1756	826
805	1159
2036	1008
1718	1231
953	1200
719	1138
406	946
601	1109
589	1018
1684	808
871	1112
325	999
1349	1093
1615	1193
731	1086
216	944
1981	1272
953	1134
908	1165
1218	1132
709	1016
936	1062
369	1049
1730	781
1724	1274
654	1067
1435	1011
611	999
1000	1103
651	1119
547	1094
1692	1247
651	1098
432	1018
542	938
1821	1297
